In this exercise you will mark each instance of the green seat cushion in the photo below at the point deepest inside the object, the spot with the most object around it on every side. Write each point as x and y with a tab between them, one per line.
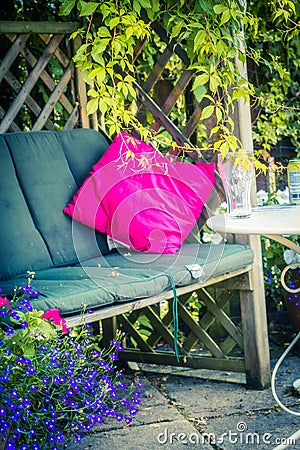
213	260
69	288
82	148
118	278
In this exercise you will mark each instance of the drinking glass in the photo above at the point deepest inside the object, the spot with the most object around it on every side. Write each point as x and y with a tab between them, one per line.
237	185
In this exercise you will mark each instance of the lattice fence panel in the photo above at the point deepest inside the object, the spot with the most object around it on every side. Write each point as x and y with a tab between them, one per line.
211	335
39	87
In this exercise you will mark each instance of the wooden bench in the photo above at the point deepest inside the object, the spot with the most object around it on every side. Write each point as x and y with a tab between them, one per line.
141	294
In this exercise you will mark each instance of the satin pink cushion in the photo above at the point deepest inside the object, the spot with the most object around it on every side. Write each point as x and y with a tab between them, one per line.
140	198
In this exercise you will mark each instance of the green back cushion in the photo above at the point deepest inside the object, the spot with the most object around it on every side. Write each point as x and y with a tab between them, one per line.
40	172
21	245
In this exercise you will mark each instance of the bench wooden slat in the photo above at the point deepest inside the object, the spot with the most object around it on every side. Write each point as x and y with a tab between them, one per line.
194	362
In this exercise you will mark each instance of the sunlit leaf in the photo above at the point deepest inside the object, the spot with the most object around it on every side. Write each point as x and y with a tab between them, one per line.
88	8
103	32
176	29
207	112
200	38
199	92
92	106
200	80
219	9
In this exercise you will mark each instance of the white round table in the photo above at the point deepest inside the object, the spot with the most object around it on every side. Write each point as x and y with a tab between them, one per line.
272	221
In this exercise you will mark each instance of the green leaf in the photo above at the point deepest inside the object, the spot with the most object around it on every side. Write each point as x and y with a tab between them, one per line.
200	80
129	79
292	6
116	47
66	7
103	106
29	350
131	91
206	5
214	82
200	38
176	29
219	114
92	93
224	149
136	6
145	3
88	8
47	329
114	22
153	10
199	93
207	112
145	333
92	106
85	76
219	9
100	77
269	253
112	130
213	131
225	17
103	32
99	48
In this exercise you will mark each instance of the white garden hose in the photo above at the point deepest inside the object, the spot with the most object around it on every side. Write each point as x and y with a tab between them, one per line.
296	435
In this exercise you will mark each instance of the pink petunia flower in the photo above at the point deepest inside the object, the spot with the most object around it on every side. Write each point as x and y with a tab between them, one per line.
3	301
53	314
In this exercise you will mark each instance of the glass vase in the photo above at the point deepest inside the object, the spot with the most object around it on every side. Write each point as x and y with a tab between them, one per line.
237	185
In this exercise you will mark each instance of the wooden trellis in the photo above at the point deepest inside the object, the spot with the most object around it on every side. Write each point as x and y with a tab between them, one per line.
201	343
28	87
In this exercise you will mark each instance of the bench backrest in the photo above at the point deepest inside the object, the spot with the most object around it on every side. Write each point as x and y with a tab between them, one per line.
39	173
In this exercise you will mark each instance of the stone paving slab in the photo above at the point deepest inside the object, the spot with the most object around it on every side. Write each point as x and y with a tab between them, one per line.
175	435
157	426
260	430
206	398
182	411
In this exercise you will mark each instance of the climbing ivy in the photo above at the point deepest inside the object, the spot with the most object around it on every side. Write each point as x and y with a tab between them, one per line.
212	33
274	40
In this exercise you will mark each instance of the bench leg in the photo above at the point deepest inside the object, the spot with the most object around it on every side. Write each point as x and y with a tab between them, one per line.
255	327
109	328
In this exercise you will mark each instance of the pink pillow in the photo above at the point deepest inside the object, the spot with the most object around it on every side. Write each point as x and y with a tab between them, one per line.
140	198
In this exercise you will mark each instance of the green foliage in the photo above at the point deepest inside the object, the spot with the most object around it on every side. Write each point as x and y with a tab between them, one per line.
274	44
210	33
106	57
